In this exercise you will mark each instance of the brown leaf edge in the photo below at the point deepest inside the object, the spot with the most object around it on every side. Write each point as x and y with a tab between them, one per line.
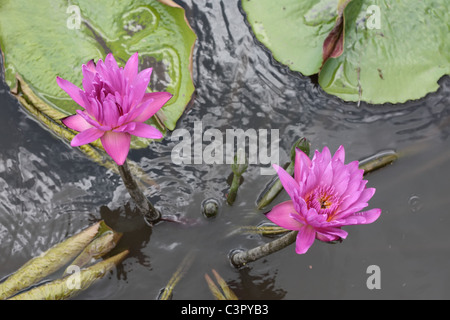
333	46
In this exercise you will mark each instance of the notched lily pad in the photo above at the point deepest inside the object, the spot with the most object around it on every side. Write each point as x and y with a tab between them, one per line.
370	51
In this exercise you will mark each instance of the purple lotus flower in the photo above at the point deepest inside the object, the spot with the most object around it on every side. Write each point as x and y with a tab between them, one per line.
326	194
115	104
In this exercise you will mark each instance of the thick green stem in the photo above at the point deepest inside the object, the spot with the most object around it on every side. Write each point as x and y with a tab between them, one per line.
146	208
241	258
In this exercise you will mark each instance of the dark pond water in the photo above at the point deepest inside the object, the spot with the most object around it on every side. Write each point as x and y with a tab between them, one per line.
49	190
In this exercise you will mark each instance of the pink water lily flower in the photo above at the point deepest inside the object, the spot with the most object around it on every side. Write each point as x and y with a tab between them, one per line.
115	104
326	194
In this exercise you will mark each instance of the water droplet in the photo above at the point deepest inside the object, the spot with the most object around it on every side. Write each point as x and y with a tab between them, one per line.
210	207
415	204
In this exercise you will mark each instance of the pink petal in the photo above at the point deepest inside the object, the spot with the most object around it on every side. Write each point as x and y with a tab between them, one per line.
354	187
145	131
333	232
302	166
139	86
364	217
311	183
127	127
72	90
111	62
76	122
326	154
353	168
356	176
110	113
112	73
367	194
88	119
339	155
341	178
152	102
91	65
117	145
286	180
131	68
281	216
320	163
322	157
93	107
136	112
301	207
351	210
326	237
314	219
125	105
88	77
102	70
356	202
86	136
305	239
118	97
327	175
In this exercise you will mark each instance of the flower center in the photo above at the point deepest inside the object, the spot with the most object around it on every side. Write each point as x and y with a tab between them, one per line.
324	200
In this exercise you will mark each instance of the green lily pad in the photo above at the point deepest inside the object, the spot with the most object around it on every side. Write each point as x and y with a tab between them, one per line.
43	39
392	51
292	30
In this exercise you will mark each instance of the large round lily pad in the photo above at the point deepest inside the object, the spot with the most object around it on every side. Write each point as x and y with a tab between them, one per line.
391	51
43	39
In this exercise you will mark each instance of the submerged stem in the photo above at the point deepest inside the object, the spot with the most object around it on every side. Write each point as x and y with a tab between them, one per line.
238	167
233	189
146	208
275	186
241	258
274	189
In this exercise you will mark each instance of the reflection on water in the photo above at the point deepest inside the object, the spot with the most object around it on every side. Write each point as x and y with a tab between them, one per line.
49	190
259	286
